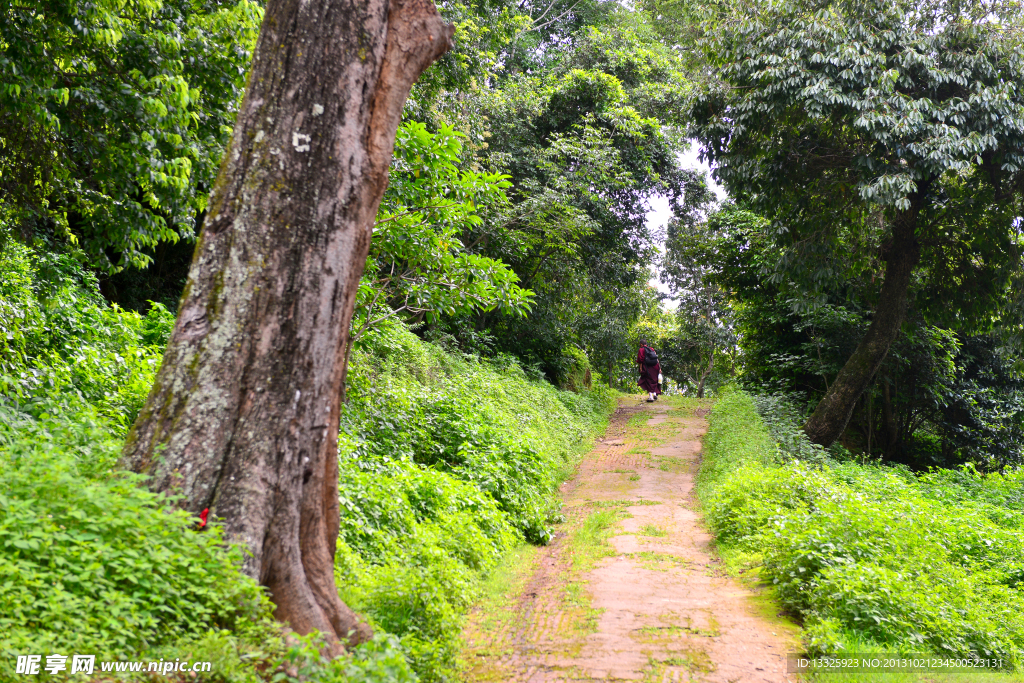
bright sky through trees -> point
(661, 212)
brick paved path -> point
(649, 602)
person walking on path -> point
(650, 370)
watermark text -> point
(33, 665)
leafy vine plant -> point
(419, 266)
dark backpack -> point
(650, 357)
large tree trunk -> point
(243, 417)
(833, 412)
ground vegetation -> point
(871, 558)
(446, 462)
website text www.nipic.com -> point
(86, 664)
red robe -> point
(648, 374)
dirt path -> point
(629, 590)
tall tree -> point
(243, 416)
(896, 126)
(586, 143)
(693, 247)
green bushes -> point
(96, 565)
(62, 348)
(91, 562)
(446, 462)
(865, 553)
(413, 544)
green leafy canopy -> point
(114, 117)
(834, 118)
(418, 264)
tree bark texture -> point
(243, 417)
(833, 412)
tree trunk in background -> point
(870, 418)
(889, 421)
(243, 416)
(833, 412)
(704, 376)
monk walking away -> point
(650, 371)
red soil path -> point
(653, 603)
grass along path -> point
(628, 590)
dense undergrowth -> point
(447, 462)
(869, 556)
